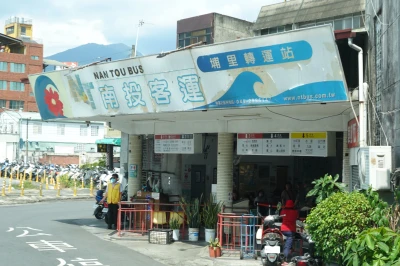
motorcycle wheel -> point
(98, 213)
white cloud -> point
(67, 24)
(60, 36)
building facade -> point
(20, 55)
(211, 28)
(26, 134)
(383, 24)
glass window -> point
(181, 43)
(34, 57)
(187, 35)
(288, 27)
(273, 30)
(3, 103)
(83, 131)
(208, 31)
(16, 105)
(3, 86)
(80, 147)
(199, 33)
(180, 36)
(348, 23)
(23, 30)
(264, 32)
(3, 66)
(94, 131)
(281, 28)
(17, 68)
(60, 129)
(338, 24)
(356, 22)
(37, 128)
(10, 30)
(17, 86)
(187, 41)
(208, 39)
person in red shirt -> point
(288, 227)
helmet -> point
(269, 220)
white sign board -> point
(309, 144)
(317, 144)
(263, 144)
(242, 73)
(178, 144)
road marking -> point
(44, 245)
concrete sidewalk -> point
(178, 253)
(32, 195)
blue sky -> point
(62, 25)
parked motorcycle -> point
(309, 258)
(271, 242)
(101, 210)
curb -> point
(19, 201)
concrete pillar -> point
(346, 174)
(134, 165)
(225, 168)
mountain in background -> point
(92, 52)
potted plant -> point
(174, 225)
(193, 218)
(210, 217)
(214, 248)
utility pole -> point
(26, 146)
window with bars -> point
(94, 131)
(80, 147)
(17, 68)
(16, 105)
(83, 131)
(37, 128)
(17, 86)
(3, 66)
(3, 86)
(188, 38)
(60, 129)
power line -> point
(309, 120)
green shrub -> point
(380, 209)
(325, 186)
(376, 246)
(336, 221)
(210, 212)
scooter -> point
(272, 242)
(101, 210)
(309, 258)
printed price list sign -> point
(174, 143)
(309, 144)
(263, 144)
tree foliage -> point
(326, 186)
(375, 246)
(336, 221)
(380, 209)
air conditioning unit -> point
(371, 166)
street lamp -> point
(141, 22)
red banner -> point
(352, 134)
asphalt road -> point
(61, 240)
